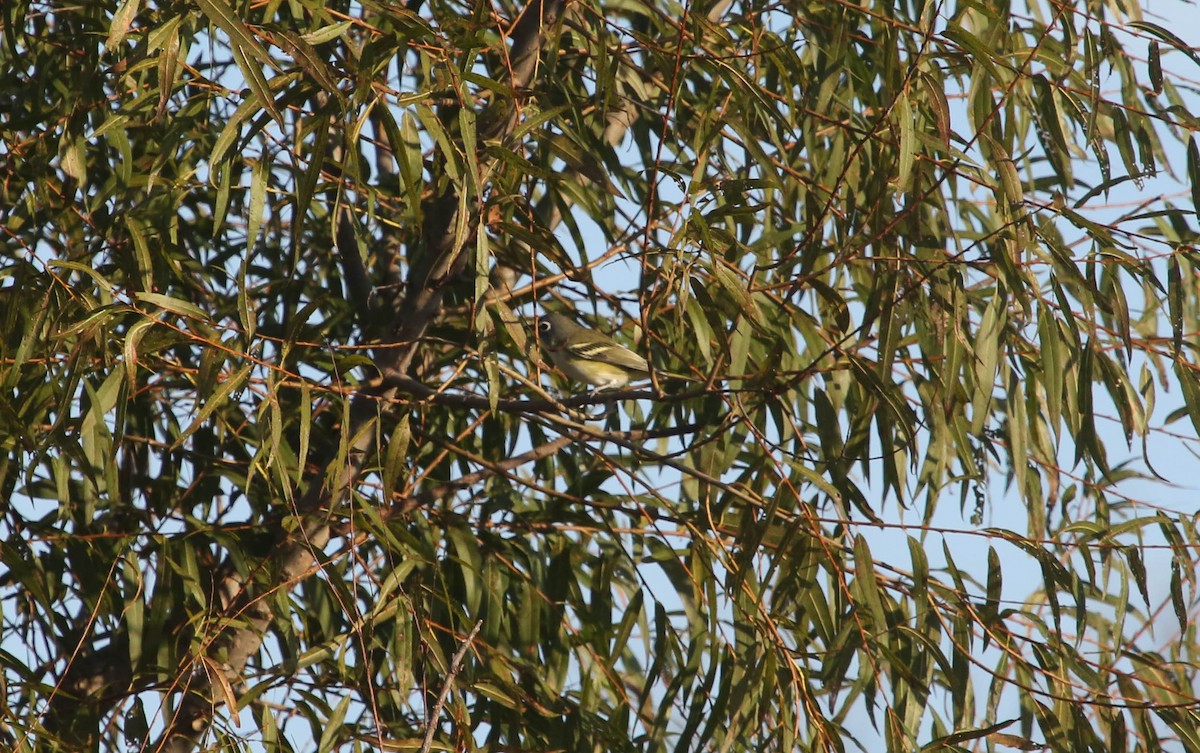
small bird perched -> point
(587, 356)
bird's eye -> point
(544, 326)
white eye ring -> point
(544, 326)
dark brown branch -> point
(428, 281)
(91, 684)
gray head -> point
(554, 329)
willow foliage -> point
(282, 461)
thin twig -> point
(455, 666)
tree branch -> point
(427, 285)
(452, 672)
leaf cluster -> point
(277, 438)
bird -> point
(587, 356)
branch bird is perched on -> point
(587, 356)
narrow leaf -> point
(1193, 168)
(907, 147)
(259, 177)
(121, 22)
(240, 36)
(174, 305)
(1155, 65)
(132, 338)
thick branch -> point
(428, 282)
(90, 684)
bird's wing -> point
(618, 355)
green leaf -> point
(986, 360)
(1154, 64)
(256, 80)
(310, 61)
(866, 587)
(260, 175)
(332, 731)
(132, 338)
(972, 45)
(905, 121)
(735, 287)
(1167, 37)
(327, 33)
(122, 20)
(174, 305)
(1189, 383)
(1193, 170)
(141, 249)
(240, 36)
(1175, 299)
